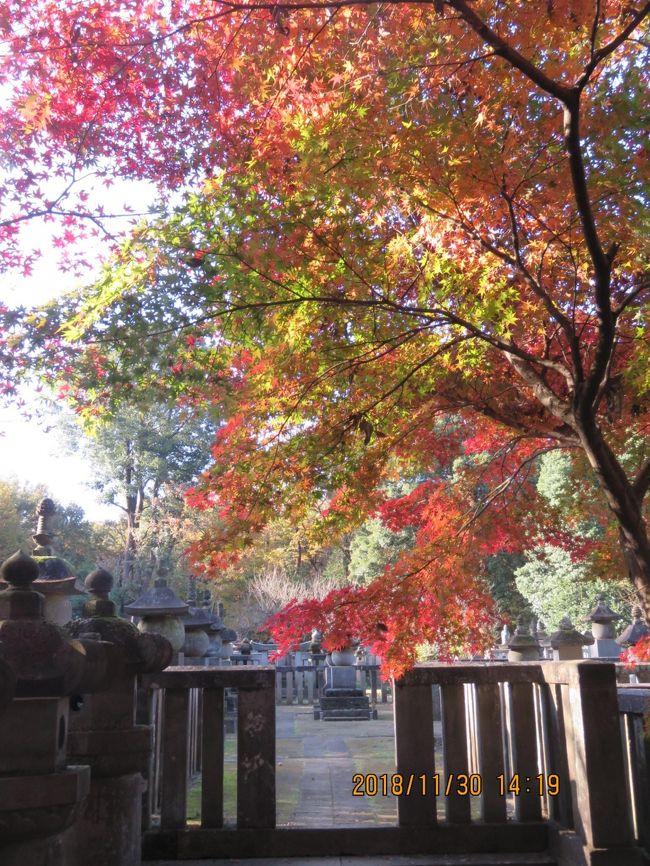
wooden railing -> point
(531, 757)
(188, 703)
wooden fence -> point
(531, 758)
(634, 706)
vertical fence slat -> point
(212, 727)
(528, 805)
(560, 808)
(603, 821)
(472, 728)
(256, 758)
(289, 685)
(199, 730)
(488, 704)
(414, 753)
(300, 686)
(278, 686)
(454, 738)
(174, 759)
(641, 764)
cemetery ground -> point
(316, 761)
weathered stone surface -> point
(114, 804)
(104, 735)
(39, 794)
(7, 685)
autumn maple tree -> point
(411, 239)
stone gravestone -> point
(341, 699)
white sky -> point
(28, 451)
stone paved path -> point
(315, 764)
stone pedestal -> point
(605, 648)
(341, 700)
(103, 735)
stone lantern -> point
(228, 635)
(161, 612)
(637, 629)
(215, 628)
(523, 647)
(603, 618)
(41, 793)
(55, 579)
(196, 622)
(104, 735)
(567, 641)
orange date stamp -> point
(452, 785)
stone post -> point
(39, 792)
(524, 646)
(567, 642)
(104, 735)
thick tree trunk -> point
(638, 573)
(627, 508)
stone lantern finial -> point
(20, 600)
(56, 580)
(98, 584)
(44, 534)
(19, 571)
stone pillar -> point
(39, 793)
(104, 735)
(567, 642)
(524, 646)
